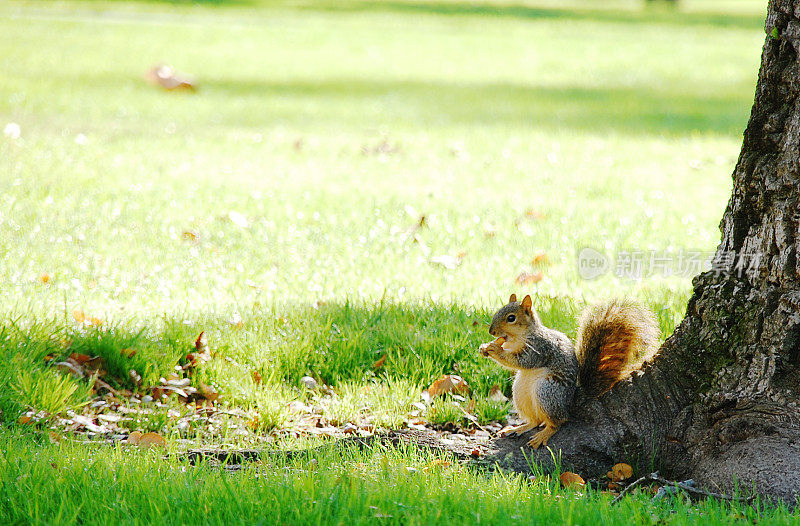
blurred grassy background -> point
(287, 191)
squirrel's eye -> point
(511, 319)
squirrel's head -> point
(515, 319)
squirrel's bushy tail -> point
(614, 339)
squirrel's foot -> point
(512, 431)
(542, 437)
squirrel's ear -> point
(527, 303)
(513, 298)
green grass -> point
(68, 483)
(515, 128)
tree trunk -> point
(720, 402)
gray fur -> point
(551, 349)
(555, 398)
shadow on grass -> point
(518, 11)
(624, 110)
(531, 12)
(337, 344)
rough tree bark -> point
(720, 402)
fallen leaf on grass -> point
(620, 472)
(530, 215)
(238, 219)
(94, 364)
(208, 392)
(101, 385)
(384, 147)
(80, 358)
(146, 440)
(70, 367)
(572, 480)
(436, 465)
(84, 319)
(496, 394)
(190, 235)
(87, 422)
(448, 262)
(529, 278)
(540, 259)
(236, 320)
(166, 77)
(416, 423)
(379, 363)
(449, 383)
(257, 378)
(201, 343)
(201, 355)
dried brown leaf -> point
(80, 358)
(86, 320)
(379, 363)
(436, 465)
(446, 261)
(201, 343)
(528, 215)
(71, 367)
(449, 383)
(190, 235)
(166, 77)
(572, 480)
(528, 278)
(621, 472)
(208, 392)
(540, 259)
(496, 394)
(151, 440)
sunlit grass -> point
(280, 210)
(66, 483)
(321, 128)
(294, 208)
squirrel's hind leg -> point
(518, 430)
(543, 436)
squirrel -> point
(614, 339)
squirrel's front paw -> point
(493, 347)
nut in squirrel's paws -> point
(493, 346)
